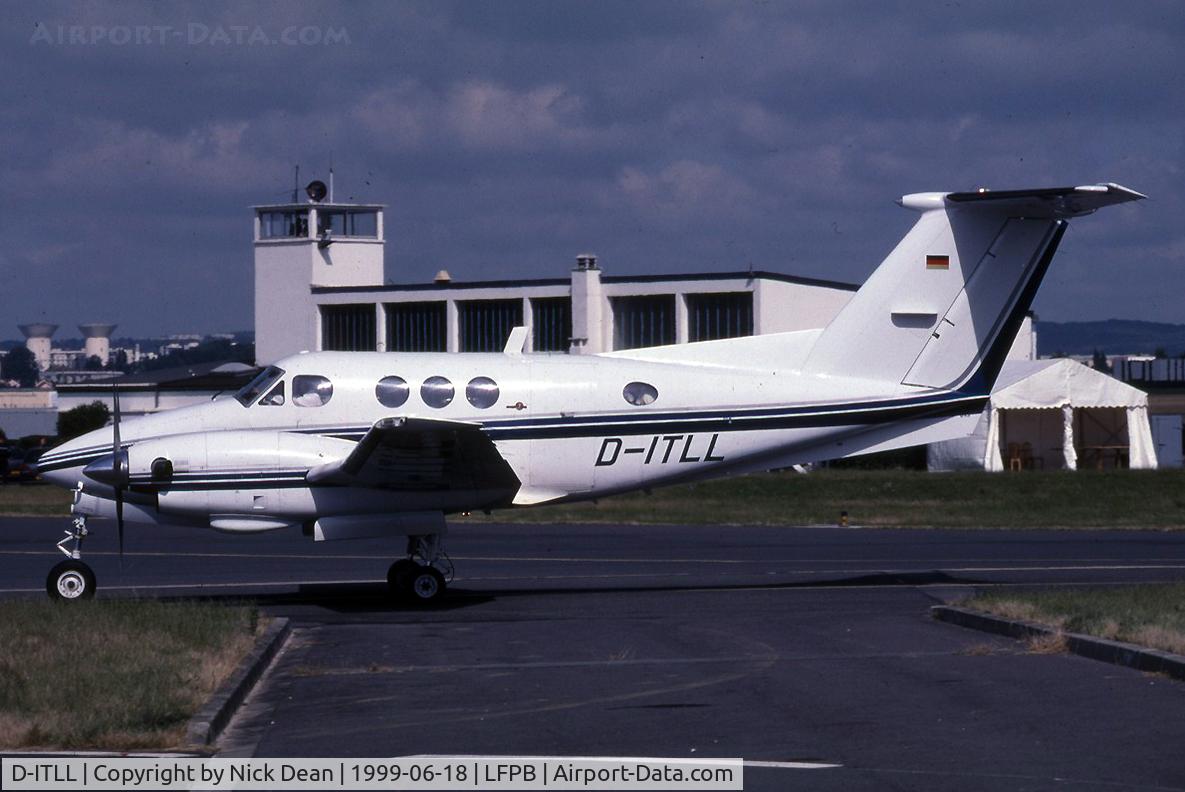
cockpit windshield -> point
(263, 380)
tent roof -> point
(1040, 384)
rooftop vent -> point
(586, 261)
(442, 277)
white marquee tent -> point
(1054, 413)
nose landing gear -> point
(73, 579)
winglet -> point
(516, 342)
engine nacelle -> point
(235, 477)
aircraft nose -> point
(111, 469)
(62, 465)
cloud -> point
(508, 138)
(682, 191)
(110, 155)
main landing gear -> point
(423, 576)
(72, 580)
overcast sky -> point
(508, 137)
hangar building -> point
(320, 285)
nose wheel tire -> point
(70, 581)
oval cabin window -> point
(437, 392)
(640, 393)
(392, 391)
(482, 392)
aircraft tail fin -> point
(942, 310)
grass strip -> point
(113, 674)
(878, 498)
(40, 500)
(898, 498)
(1148, 615)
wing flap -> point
(421, 454)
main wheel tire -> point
(399, 573)
(426, 586)
(70, 581)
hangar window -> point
(643, 321)
(311, 390)
(392, 391)
(481, 392)
(437, 392)
(551, 320)
(348, 328)
(416, 326)
(262, 381)
(486, 324)
(640, 393)
(722, 315)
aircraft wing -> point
(421, 454)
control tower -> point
(98, 341)
(38, 337)
(298, 245)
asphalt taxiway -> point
(806, 651)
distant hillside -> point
(1112, 337)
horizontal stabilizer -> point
(1045, 202)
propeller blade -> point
(118, 468)
(115, 421)
(119, 522)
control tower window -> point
(281, 225)
(349, 223)
(309, 390)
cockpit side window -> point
(311, 390)
(274, 397)
(263, 380)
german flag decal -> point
(938, 262)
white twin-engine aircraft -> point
(358, 444)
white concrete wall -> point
(589, 309)
(781, 307)
(348, 262)
(137, 402)
(286, 319)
